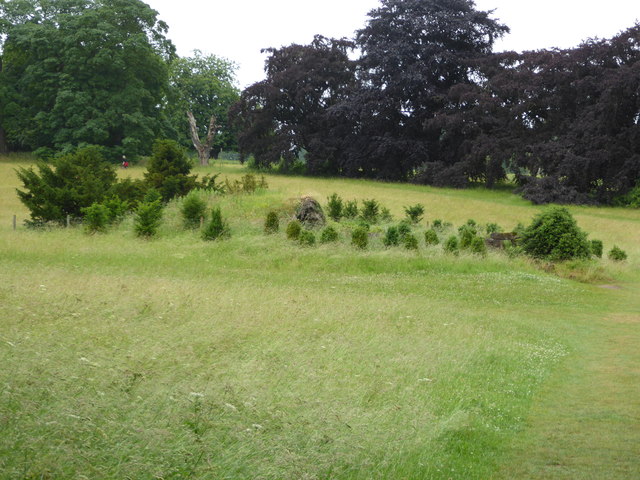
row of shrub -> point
(552, 235)
(72, 185)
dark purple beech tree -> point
(569, 119)
(413, 53)
(284, 115)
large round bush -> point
(555, 235)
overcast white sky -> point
(238, 29)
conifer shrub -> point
(493, 228)
(217, 228)
(385, 215)
(192, 210)
(294, 227)
(404, 228)
(391, 237)
(617, 254)
(271, 223)
(437, 224)
(96, 218)
(168, 170)
(118, 208)
(335, 206)
(370, 211)
(467, 234)
(307, 238)
(63, 188)
(350, 209)
(597, 248)
(451, 245)
(431, 237)
(360, 238)
(554, 235)
(148, 217)
(329, 235)
(410, 242)
(478, 246)
(414, 213)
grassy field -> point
(254, 358)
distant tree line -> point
(427, 100)
(102, 72)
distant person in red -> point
(125, 162)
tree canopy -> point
(205, 86)
(429, 101)
(78, 72)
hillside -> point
(257, 358)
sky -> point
(239, 29)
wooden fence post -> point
(68, 221)
(15, 222)
(201, 222)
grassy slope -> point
(254, 358)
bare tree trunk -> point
(3, 142)
(204, 149)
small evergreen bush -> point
(437, 224)
(370, 211)
(148, 218)
(118, 208)
(478, 246)
(271, 223)
(410, 242)
(168, 170)
(350, 209)
(467, 234)
(431, 237)
(596, 248)
(385, 215)
(391, 237)
(293, 230)
(360, 238)
(404, 229)
(96, 218)
(414, 213)
(334, 207)
(493, 228)
(617, 254)
(451, 245)
(329, 235)
(217, 228)
(307, 238)
(193, 209)
(554, 235)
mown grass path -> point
(586, 421)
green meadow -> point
(256, 358)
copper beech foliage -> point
(427, 100)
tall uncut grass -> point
(255, 358)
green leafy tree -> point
(203, 85)
(82, 72)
